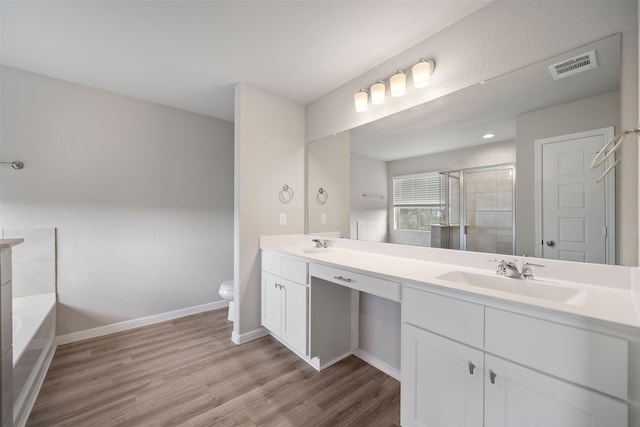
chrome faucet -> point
(321, 243)
(510, 269)
(527, 273)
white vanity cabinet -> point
(465, 364)
(285, 300)
(442, 361)
(441, 381)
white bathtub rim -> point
(31, 312)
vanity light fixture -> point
(398, 83)
(361, 100)
(378, 90)
(421, 74)
(488, 135)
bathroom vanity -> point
(477, 348)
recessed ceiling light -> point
(488, 136)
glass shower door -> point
(489, 205)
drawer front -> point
(272, 263)
(587, 358)
(294, 270)
(369, 284)
(459, 320)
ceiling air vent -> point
(575, 65)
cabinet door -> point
(441, 381)
(517, 396)
(271, 302)
(294, 323)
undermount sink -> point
(530, 288)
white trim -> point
(136, 323)
(377, 363)
(249, 336)
(609, 188)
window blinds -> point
(417, 190)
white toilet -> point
(226, 292)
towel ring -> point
(322, 196)
(286, 194)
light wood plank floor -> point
(188, 372)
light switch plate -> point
(323, 218)
(283, 219)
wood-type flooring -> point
(187, 372)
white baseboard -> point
(377, 363)
(249, 336)
(136, 323)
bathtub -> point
(33, 346)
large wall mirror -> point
(433, 176)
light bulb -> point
(421, 73)
(361, 100)
(377, 92)
(398, 83)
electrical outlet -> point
(323, 218)
(283, 219)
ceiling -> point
(189, 54)
(459, 120)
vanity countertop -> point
(613, 304)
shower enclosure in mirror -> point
(445, 137)
(431, 209)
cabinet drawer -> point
(369, 284)
(294, 270)
(272, 263)
(459, 320)
(587, 358)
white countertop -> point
(617, 304)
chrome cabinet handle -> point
(472, 368)
(492, 376)
(344, 279)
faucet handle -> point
(527, 272)
(502, 266)
(321, 243)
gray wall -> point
(269, 153)
(328, 168)
(586, 114)
(141, 196)
(368, 214)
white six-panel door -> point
(574, 221)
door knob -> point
(551, 243)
